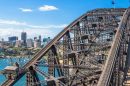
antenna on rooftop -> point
(113, 3)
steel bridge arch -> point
(64, 35)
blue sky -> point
(45, 17)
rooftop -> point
(12, 68)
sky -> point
(45, 17)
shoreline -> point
(26, 56)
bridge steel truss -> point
(116, 66)
(91, 51)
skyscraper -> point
(24, 37)
(39, 38)
(18, 43)
(12, 38)
(37, 42)
(29, 43)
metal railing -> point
(109, 65)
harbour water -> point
(10, 61)
(21, 61)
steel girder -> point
(80, 52)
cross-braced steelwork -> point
(92, 51)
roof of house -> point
(12, 68)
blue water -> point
(8, 62)
(21, 61)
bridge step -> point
(127, 81)
(127, 85)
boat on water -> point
(2, 57)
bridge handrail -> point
(108, 68)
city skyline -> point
(19, 37)
(36, 17)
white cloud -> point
(17, 23)
(25, 10)
(14, 28)
(48, 26)
(48, 8)
(11, 22)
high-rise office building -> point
(18, 43)
(46, 40)
(39, 38)
(29, 43)
(12, 38)
(37, 44)
(24, 37)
